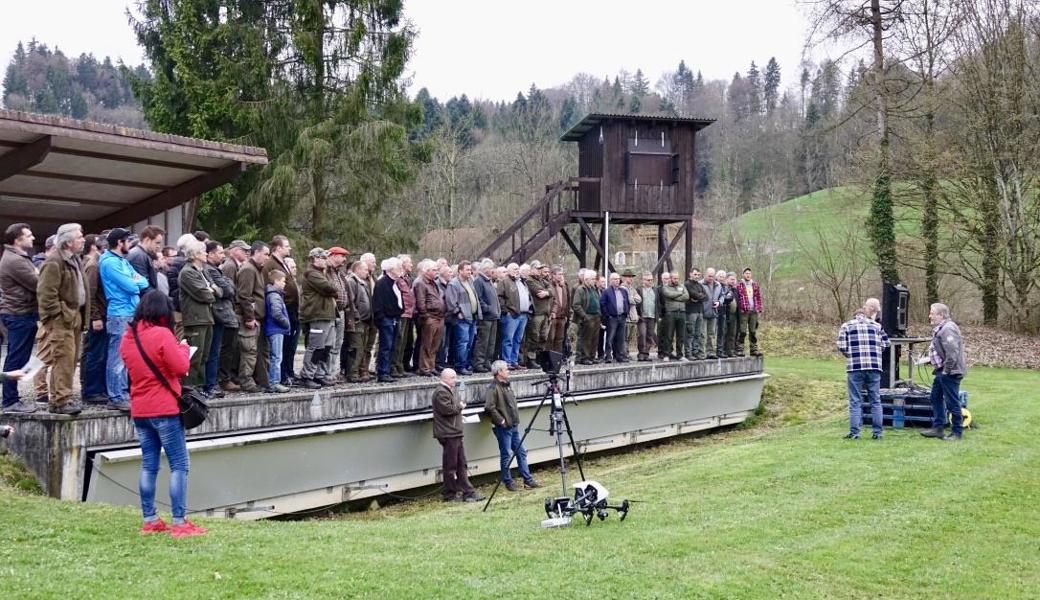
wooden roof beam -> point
(170, 198)
(18, 160)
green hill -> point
(791, 227)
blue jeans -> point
(387, 340)
(856, 381)
(509, 443)
(213, 358)
(946, 396)
(21, 335)
(274, 372)
(465, 331)
(115, 370)
(95, 358)
(512, 335)
(163, 433)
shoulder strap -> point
(151, 365)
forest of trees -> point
(932, 113)
(42, 80)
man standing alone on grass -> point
(946, 353)
(500, 406)
(447, 429)
(863, 343)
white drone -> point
(590, 499)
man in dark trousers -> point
(614, 304)
(447, 429)
(387, 308)
(946, 354)
(280, 250)
(500, 406)
(19, 310)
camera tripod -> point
(559, 424)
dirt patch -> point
(984, 346)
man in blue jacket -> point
(123, 287)
(614, 305)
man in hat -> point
(64, 308)
(337, 273)
(318, 317)
(123, 287)
(539, 285)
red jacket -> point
(148, 396)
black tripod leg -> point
(512, 457)
(574, 446)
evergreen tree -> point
(640, 86)
(568, 113)
(772, 84)
(754, 90)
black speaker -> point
(895, 306)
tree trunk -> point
(882, 220)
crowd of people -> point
(245, 307)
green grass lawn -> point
(784, 508)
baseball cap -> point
(318, 253)
(238, 244)
(339, 250)
(116, 235)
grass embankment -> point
(834, 212)
(764, 513)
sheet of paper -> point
(924, 360)
(32, 367)
(471, 419)
(191, 351)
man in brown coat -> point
(560, 311)
(250, 307)
(64, 307)
(447, 429)
(237, 255)
(19, 309)
(430, 308)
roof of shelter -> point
(57, 170)
(592, 120)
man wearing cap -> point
(251, 308)
(64, 307)
(237, 252)
(649, 309)
(280, 250)
(18, 308)
(318, 317)
(123, 287)
(337, 273)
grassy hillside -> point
(769, 512)
(833, 212)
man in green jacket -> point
(674, 339)
(447, 430)
(500, 406)
(585, 306)
(537, 332)
(318, 320)
(254, 353)
(197, 294)
(64, 305)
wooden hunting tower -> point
(632, 169)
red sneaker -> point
(156, 526)
(186, 529)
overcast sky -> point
(492, 49)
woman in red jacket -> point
(155, 409)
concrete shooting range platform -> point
(262, 455)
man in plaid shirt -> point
(863, 342)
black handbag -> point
(192, 403)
